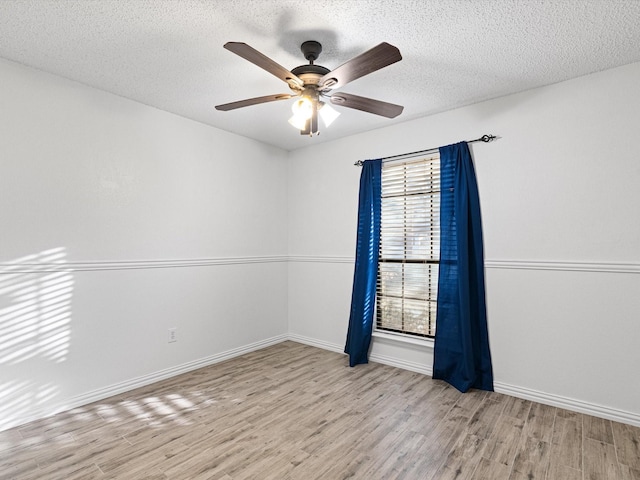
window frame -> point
(412, 170)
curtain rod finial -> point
(487, 138)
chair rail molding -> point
(584, 266)
(98, 265)
(596, 267)
(18, 266)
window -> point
(407, 287)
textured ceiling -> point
(169, 54)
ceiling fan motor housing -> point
(310, 74)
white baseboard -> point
(334, 347)
(376, 358)
(400, 363)
(500, 387)
(127, 385)
(567, 403)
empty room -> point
(320, 240)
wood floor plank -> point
(598, 429)
(70, 471)
(600, 462)
(567, 441)
(490, 470)
(503, 444)
(568, 414)
(557, 471)
(539, 423)
(204, 463)
(17, 465)
(462, 461)
(294, 412)
(532, 459)
(407, 452)
(627, 442)
(273, 466)
(348, 466)
(484, 419)
(516, 407)
(629, 473)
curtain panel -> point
(366, 268)
(461, 351)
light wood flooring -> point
(292, 411)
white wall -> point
(143, 221)
(559, 192)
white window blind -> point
(407, 287)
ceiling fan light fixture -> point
(303, 108)
(302, 111)
(298, 122)
(328, 114)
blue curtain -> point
(366, 270)
(461, 351)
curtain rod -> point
(484, 138)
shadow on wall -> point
(36, 294)
(35, 327)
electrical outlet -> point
(173, 335)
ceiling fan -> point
(312, 83)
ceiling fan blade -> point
(389, 110)
(365, 63)
(254, 101)
(264, 62)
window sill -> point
(400, 338)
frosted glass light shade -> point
(299, 121)
(302, 107)
(328, 114)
